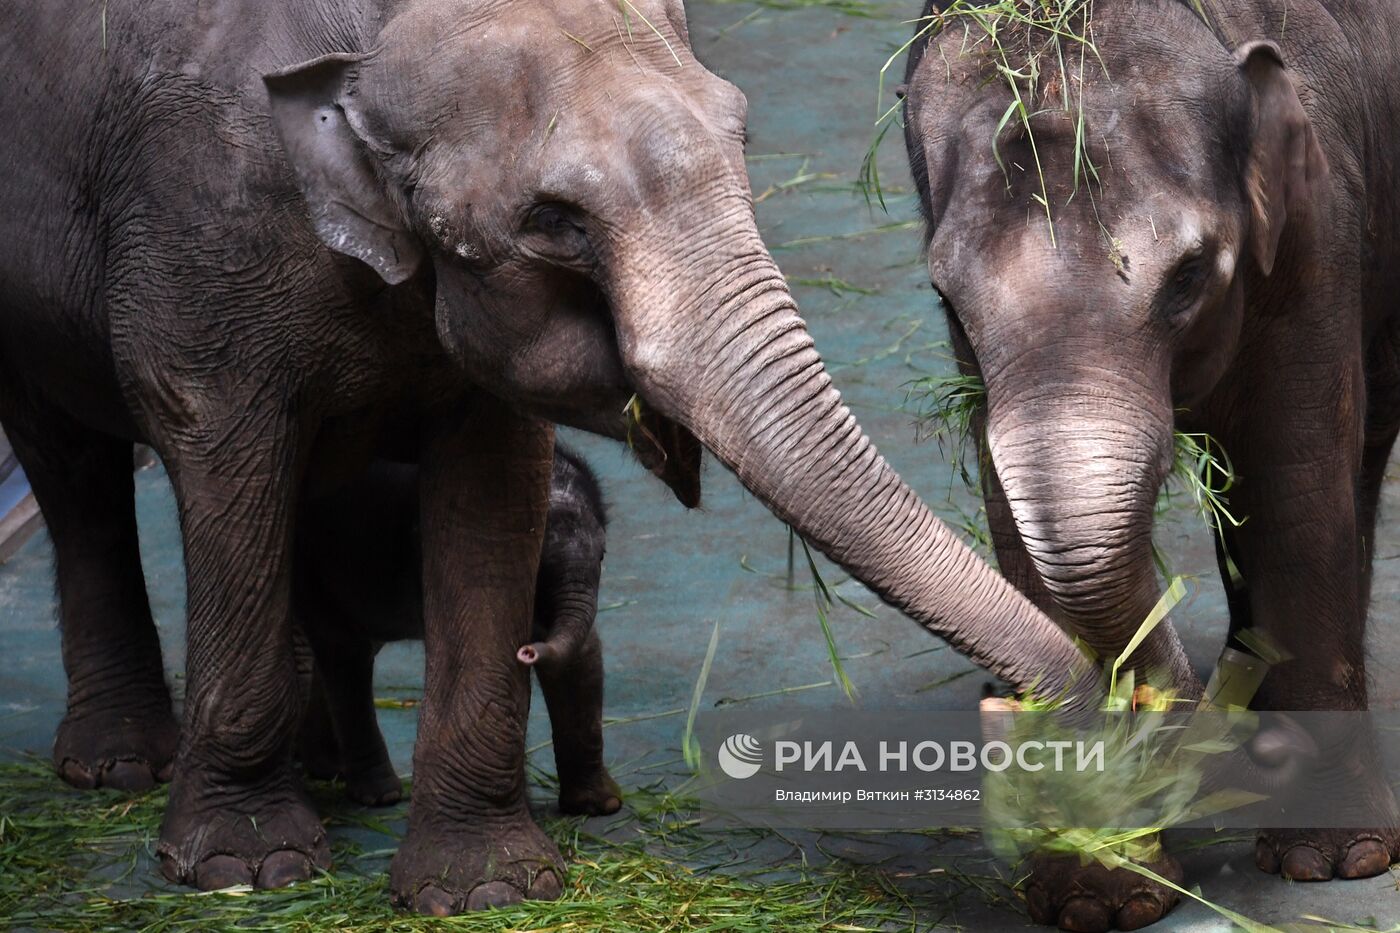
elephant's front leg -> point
(1303, 555)
(238, 813)
(471, 842)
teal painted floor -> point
(810, 72)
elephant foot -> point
(448, 869)
(1324, 854)
(120, 747)
(375, 786)
(266, 835)
(1092, 898)
(594, 794)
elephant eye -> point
(554, 220)
(1181, 291)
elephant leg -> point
(345, 676)
(573, 692)
(1382, 428)
(1304, 552)
(238, 813)
(471, 842)
(118, 730)
(317, 745)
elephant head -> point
(1094, 327)
(574, 182)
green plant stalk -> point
(945, 406)
(1046, 25)
(824, 603)
(690, 746)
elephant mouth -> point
(668, 450)
(664, 447)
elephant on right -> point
(1192, 225)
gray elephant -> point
(274, 241)
(357, 585)
(1232, 269)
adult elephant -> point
(1230, 267)
(272, 240)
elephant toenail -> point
(1038, 905)
(492, 894)
(1365, 859)
(1304, 863)
(545, 887)
(283, 867)
(1141, 910)
(128, 776)
(1265, 858)
(222, 871)
(170, 870)
(77, 774)
(610, 805)
(433, 901)
(1085, 915)
(165, 772)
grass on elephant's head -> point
(82, 861)
(1041, 51)
(1033, 46)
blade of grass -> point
(1176, 591)
(824, 601)
(689, 745)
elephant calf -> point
(359, 583)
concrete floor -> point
(810, 75)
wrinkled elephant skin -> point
(277, 240)
(1228, 265)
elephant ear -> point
(352, 211)
(1286, 170)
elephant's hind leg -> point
(574, 696)
(118, 731)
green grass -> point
(74, 860)
(945, 406)
(1039, 50)
(1150, 781)
(860, 9)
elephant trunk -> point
(742, 374)
(1081, 470)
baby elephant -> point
(358, 584)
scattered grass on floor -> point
(74, 860)
(852, 235)
(837, 286)
(862, 9)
